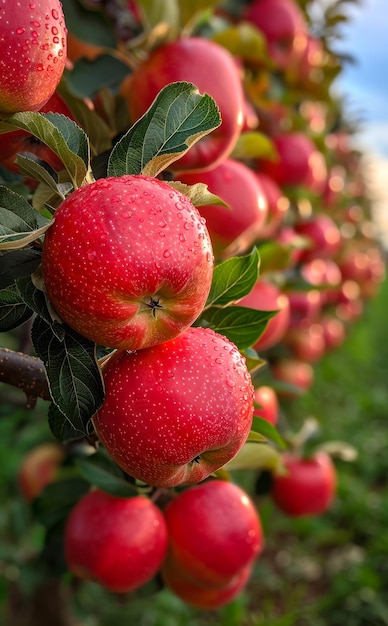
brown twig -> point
(24, 372)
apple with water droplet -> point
(176, 412)
(244, 218)
(118, 542)
(214, 532)
(214, 71)
(127, 262)
(32, 53)
(308, 487)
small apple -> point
(296, 375)
(238, 186)
(306, 342)
(214, 532)
(178, 411)
(323, 235)
(127, 262)
(308, 487)
(118, 542)
(199, 596)
(305, 305)
(213, 70)
(334, 331)
(32, 54)
(267, 400)
(39, 468)
(299, 162)
(283, 25)
(266, 296)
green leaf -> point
(13, 310)
(57, 500)
(190, 10)
(257, 455)
(60, 426)
(33, 169)
(178, 118)
(36, 300)
(198, 193)
(16, 264)
(241, 325)
(90, 26)
(261, 426)
(73, 374)
(89, 76)
(16, 214)
(65, 138)
(101, 472)
(233, 279)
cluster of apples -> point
(128, 263)
(203, 544)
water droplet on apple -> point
(166, 254)
(92, 255)
(127, 214)
(54, 30)
(39, 68)
(55, 14)
(20, 31)
(182, 237)
(230, 383)
(179, 206)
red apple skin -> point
(198, 596)
(323, 235)
(18, 141)
(128, 262)
(199, 61)
(305, 306)
(309, 486)
(266, 296)
(38, 469)
(283, 25)
(32, 54)
(118, 542)
(214, 532)
(266, 397)
(278, 206)
(306, 342)
(294, 372)
(178, 411)
(238, 186)
(299, 162)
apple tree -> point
(185, 230)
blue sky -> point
(365, 86)
(366, 83)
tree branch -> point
(24, 372)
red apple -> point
(334, 331)
(305, 305)
(267, 400)
(266, 296)
(118, 542)
(309, 486)
(299, 162)
(199, 596)
(238, 186)
(127, 262)
(213, 70)
(278, 206)
(176, 412)
(17, 141)
(306, 342)
(295, 374)
(283, 25)
(214, 532)
(32, 54)
(323, 235)
(39, 468)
